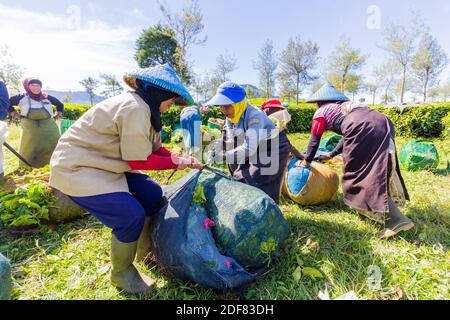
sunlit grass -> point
(72, 261)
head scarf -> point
(153, 97)
(239, 109)
(37, 97)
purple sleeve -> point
(14, 101)
(54, 101)
(338, 149)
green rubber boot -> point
(123, 274)
(144, 243)
(396, 222)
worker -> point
(96, 161)
(40, 133)
(372, 181)
(4, 106)
(192, 130)
(281, 117)
(256, 151)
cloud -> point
(44, 44)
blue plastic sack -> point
(297, 176)
(184, 245)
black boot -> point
(396, 222)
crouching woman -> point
(94, 161)
(372, 181)
(256, 152)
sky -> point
(63, 41)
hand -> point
(303, 163)
(14, 115)
(324, 157)
(57, 115)
(195, 164)
(181, 161)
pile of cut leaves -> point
(25, 198)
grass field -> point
(72, 261)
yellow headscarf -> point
(239, 109)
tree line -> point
(413, 62)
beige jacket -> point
(91, 157)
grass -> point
(72, 261)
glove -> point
(215, 153)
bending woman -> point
(372, 182)
(95, 162)
(256, 151)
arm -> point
(253, 136)
(318, 128)
(296, 153)
(158, 160)
(14, 101)
(4, 101)
(338, 149)
(58, 104)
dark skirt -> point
(253, 173)
(367, 135)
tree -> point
(385, 76)
(298, 60)
(156, 45)
(344, 61)
(112, 86)
(354, 85)
(225, 64)
(429, 61)
(266, 64)
(400, 42)
(90, 85)
(434, 93)
(287, 87)
(372, 88)
(187, 27)
(68, 97)
(250, 92)
(10, 72)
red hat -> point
(272, 103)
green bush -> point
(446, 124)
(74, 111)
(422, 121)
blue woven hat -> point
(228, 93)
(328, 93)
(161, 76)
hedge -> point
(423, 121)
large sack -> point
(64, 210)
(315, 185)
(5, 278)
(246, 219)
(184, 245)
(419, 155)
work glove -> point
(215, 153)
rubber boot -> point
(396, 222)
(123, 274)
(144, 243)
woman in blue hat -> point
(372, 181)
(96, 161)
(256, 151)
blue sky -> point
(46, 39)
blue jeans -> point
(125, 213)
